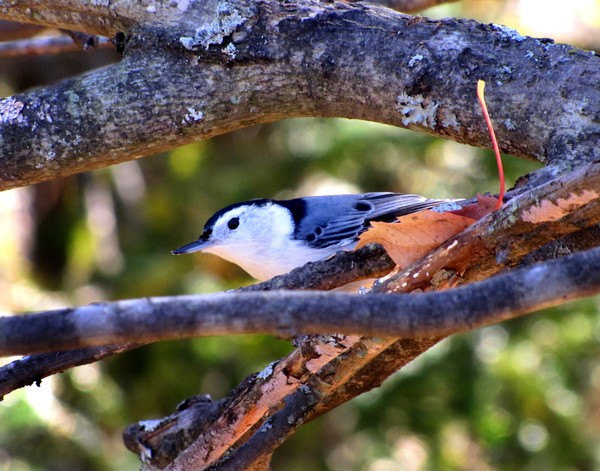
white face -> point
(255, 237)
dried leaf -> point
(485, 205)
(415, 235)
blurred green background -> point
(520, 395)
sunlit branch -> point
(267, 73)
(504, 296)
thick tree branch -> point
(269, 60)
(103, 20)
(502, 297)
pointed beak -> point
(195, 246)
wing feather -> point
(337, 221)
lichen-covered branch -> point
(192, 70)
(104, 18)
(252, 62)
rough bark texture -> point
(251, 412)
(245, 63)
(536, 217)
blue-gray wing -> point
(337, 221)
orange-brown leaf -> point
(484, 206)
(415, 235)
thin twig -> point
(33, 368)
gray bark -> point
(232, 63)
(496, 299)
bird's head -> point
(252, 234)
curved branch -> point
(277, 60)
(501, 297)
(268, 60)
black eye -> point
(233, 223)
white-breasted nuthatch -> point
(270, 237)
